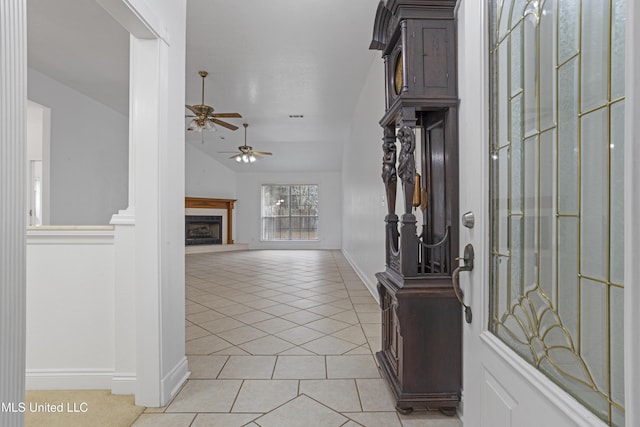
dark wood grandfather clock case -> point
(421, 355)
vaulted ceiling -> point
(266, 60)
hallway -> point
(281, 338)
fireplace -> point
(203, 230)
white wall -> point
(206, 177)
(89, 154)
(169, 18)
(70, 308)
(364, 202)
(329, 215)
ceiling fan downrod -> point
(203, 74)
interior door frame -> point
(631, 208)
(482, 350)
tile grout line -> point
(273, 371)
(235, 399)
(355, 383)
(223, 365)
(193, 420)
(326, 368)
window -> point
(289, 212)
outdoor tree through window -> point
(289, 212)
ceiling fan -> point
(204, 118)
(246, 154)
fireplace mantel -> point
(205, 203)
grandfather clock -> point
(421, 355)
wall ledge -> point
(71, 234)
(71, 228)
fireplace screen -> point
(203, 230)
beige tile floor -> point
(281, 339)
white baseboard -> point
(173, 381)
(63, 379)
(371, 286)
(123, 383)
(200, 249)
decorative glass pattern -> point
(557, 237)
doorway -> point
(38, 144)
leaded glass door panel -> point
(545, 179)
(557, 68)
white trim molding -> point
(174, 380)
(149, 230)
(68, 379)
(123, 383)
(124, 216)
(631, 209)
(70, 235)
(138, 19)
(13, 162)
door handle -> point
(467, 265)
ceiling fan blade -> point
(226, 115)
(262, 153)
(188, 115)
(192, 109)
(227, 152)
(223, 124)
(237, 155)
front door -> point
(542, 105)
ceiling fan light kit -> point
(204, 118)
(246, 154)
(245, 158)
(196, 125)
